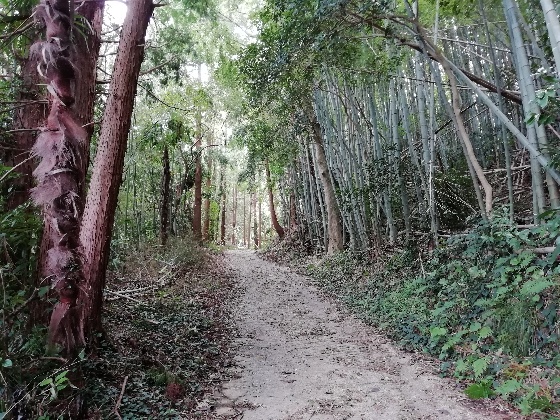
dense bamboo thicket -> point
(426, 116)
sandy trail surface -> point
(300, 357)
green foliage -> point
(480, 390)
(485, 304)
(266, 142)
(26, 374)
(172, 335)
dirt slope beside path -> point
(301, 358)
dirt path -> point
(300, 357)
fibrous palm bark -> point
(61, 145)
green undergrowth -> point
(170, 342)
(165, 342)
(485, 303)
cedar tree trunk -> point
(206, 225)
(164, 212)
(277, 227)
(234, 215)
(197, 206)
(223, 217)
(255, 221)
(101, 202)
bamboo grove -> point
(426, 114)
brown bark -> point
(274, 218)
(335, 241)
(245, 240)
(86, 55)
(249, 222)
(165, 193)
(293, 214)
(206, 225)
(234, 215)
(260, 223)
(223, 210)
(99, 213)
(27, 117)
(254, 210)
(197, 206)
(61, 145)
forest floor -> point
(299, 356)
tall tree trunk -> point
(233, 215)
(255, 221)
(206, 225)
(334, 226)
(99, 212)
(277, 227)
(293, 213)
(86, 54)
(223, 210)
(197, 206)
(165, 192)
(244, 221)
(397, 154)
(61, 146)
(260, 222)
(505, 139)
(486, 204)
(530, 106)
(249, 221)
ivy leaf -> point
(437, 332)
(475, 326)
(479, 367)
(485, 332)
(534, 287)
(478, 391)
(7, 363)
(508, 387)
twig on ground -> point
(124, 296)
(118, 403)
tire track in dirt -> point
(299, 357)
